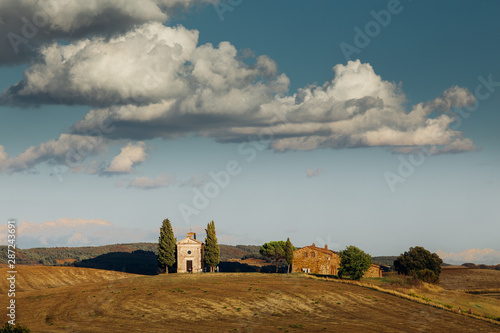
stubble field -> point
(69, 299)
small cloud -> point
(129, 156)
(314, 173)
(477, 256)
(457, 146)
(195, 181)
(145, 183)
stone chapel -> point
(190, 254)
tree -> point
(289, 248)
(420, 263)
(274, 250)
(166, 247)
(354, 262)
(212, 250)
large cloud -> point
(141, 66)
(26, 24)
(155, 81)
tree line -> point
(418, 262)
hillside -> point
(40, 277)
(49, 255)
(222, 303)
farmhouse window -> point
(305, 254)
(313, 255)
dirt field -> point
(251, 302)
(42, 277)
(458, 278)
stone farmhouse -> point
(318, 260)
(190, 254)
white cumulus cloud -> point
(154, 81)
(26, 24)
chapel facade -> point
(190, 254)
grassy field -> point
(70, 299)
(464, 288)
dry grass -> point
(484, 304)
(223, 302)
(41, 277)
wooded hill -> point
(50, 256)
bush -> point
(426, 275)
(417, 260)
(354, 263)
(8, 328)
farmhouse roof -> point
(319, 249)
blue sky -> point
(108, 125)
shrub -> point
(8, 328)
(354, 263)
(416, 260)
(426, 275)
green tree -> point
(289, 248)
(166, 247)
(420, 263)
(354, 262)
(274, 250)
(212, 250)
(8, 328)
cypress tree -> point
(166, 247)
(212, 251)
(289, 253)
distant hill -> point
(58, 256)
(49, 256)
(471, 265)
(387, 262)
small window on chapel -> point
(313, 255)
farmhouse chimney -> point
(191, 235)
(326, 246)
(314, 245)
